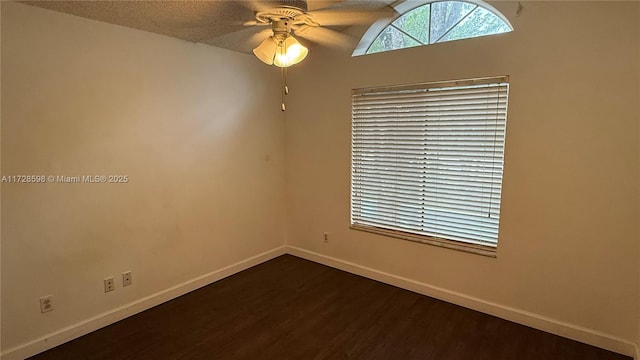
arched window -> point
(431, 23)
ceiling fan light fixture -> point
(280, 52)
(266, 50)
(289, 52)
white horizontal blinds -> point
(427, 159)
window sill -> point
(483, 250)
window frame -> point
(462, 245)
(401, 9)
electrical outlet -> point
(126, 278)
(46, 303)
(108, 284)
(326, 237)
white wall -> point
(568, 244)
(0, 186)
(192, 126)
(197, 130)
(637, 355)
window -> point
(427, 160)
(432, 23)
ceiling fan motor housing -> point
(295, 4)
(294, 10)
(291, 14)
(280, 28)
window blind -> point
(427, 161)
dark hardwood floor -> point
(290, 308)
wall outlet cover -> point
(46, 303)
(108, 285)
(126, 278)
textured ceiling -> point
(220, 22)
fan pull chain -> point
(285, 88)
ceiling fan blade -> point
(253, 23)
(256, 38)
(244, 40)
(327, 37)
(254, 5)
(315, 5)
(353, 12)
(337, 17)
(194, 19)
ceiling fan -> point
(292, 17)
(287, 18)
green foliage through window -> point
(438, 22)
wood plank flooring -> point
(290, 308)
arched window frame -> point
(404, 7)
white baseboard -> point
(574, 332)
(74, 331)
(536, 321)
